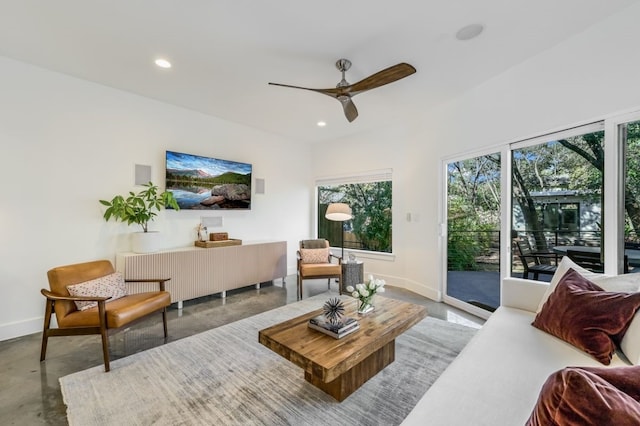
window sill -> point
(362, 254)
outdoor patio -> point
(478, 287)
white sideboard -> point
(197, 272)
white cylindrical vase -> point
(145, 242)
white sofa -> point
(496, 379)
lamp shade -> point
(338, 212)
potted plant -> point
(140, 208)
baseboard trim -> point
(414, 286)
(423, 290)
(20, 328)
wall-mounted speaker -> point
(143, 174)
(259, 186)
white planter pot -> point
(145, 242)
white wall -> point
(590, 76)
(66, 143)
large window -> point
(370, 199)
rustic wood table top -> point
(328, 358)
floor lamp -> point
(339, 212)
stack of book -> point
(346, 326)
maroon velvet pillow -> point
(591, 319)
(589, 396)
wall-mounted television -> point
(205, 183)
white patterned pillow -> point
(109, 285)
(314, 255)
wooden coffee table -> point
(340, 366)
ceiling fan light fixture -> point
(470, 31)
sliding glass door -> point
(572, 193)
(557, 190)
(473, 231)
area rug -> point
(225, 377)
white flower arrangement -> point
(364, 292)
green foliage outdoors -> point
(139, 208)
(473, 210)
(577, 164)
(632, 183)
(371, 206)
(467, 239)
(572, 164)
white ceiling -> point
(224, 52)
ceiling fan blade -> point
(386, 76)
(333, 92)
(350, 110)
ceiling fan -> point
(344, 91)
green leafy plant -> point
(139, 208)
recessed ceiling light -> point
(163, 63)
(321, 124)
(469, 32)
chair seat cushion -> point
(320, 270)
(120, 312)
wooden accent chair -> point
(536, 262)
(315, 261)
(104, 317)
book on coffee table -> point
(347, 326)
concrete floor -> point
(30, 391)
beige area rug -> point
(225, 377)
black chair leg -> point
(105, 350)
(164, 323)
(105, 335)
(45, 330)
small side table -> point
(352, 274)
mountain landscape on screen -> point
(205, 183)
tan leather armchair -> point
(103, 318)
(311, 266)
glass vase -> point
(365, 305)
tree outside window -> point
(370, 228)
